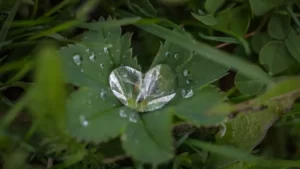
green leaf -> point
(47, 101)
(101, 50)
(245, 132)
(248, 86)
(292, 43)
(259, 40)
(149, 140)
(244, 67)
(91, 111)
(260, 7)
(142, 7)
(202, 71)
(279, 26)
(208, 19)
(276, 57)
(212, 6)
(219, 38)
(235, 20)
(196, 109)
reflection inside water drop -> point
(187, 93)
(122, 113)
(77, 59)
(133, 117)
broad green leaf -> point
(279, 26)
(248, 165)
(235, 20)
(208, 19)
(260, 7)
(245, 132)
(142, 7)
(259, 40)
(202, 71)
(91, 111)
(196, 109)
(292, 43)
(47, 101)
(244, 67)
(80, 70)
(275, 57)
(149, 139)
(248, 86)
(212, 6)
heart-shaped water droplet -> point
(143, 92)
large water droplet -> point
(122, 113)
(77, 59)
(187, 93)
(105, 49)
(133, 117)
(143, 94)
(92, 57)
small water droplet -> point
(81, 70)
(122, 113)
(185, 72)
(102, 65)
(167, 54)
(77, 59)
(187, 93)
(85, 123)
(105, 50)
(111, 62)
(222, 130)
(89, 102)
(188, 81)
(114, 105)
(83, 120)
(92, 57)
(85, 37)
(105, 40)
(176, 56)
(118, 50)
(102, 94)
(108, 33)
(133, 117)
(87, 50)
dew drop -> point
(176, 56)
(118, 50)
(87, 50)
(187, 93)
(222, 130)
(102, 94)
(77, 59)
(133, 117)
(122, 114)
(105, 50)
(105, 40)
(108, 33)
(89, 102)
(188, 81)
(185, 72)
(92, 57)
(81, 70)
(167, 54)
(85, 123)
(102, 65)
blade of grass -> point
(292, 14)
(241, 155)
(8, 21)
(110, 23)
(244, 67)
(56, 8)
(219, 39)
(24, 23)
(55, 29)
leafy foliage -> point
(234, 67)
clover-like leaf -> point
(197, 106)
(248, 86)
(90, 111)
(276, 57)
(149, 140)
